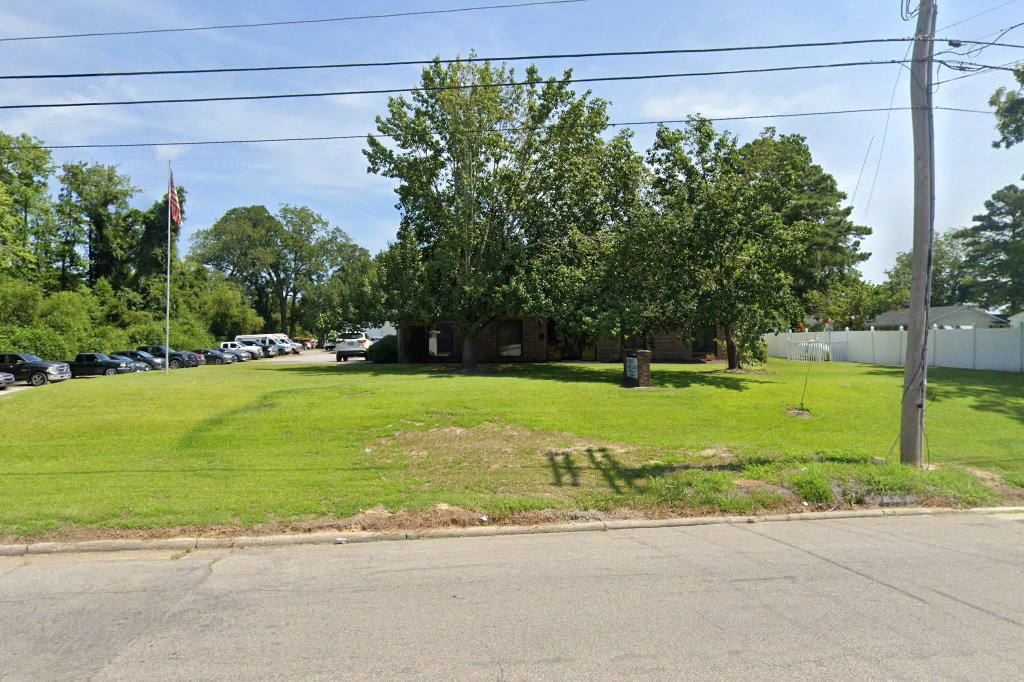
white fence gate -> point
(1000, 349)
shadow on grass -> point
(595, 373)
(619, 478)
(994, 392)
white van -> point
(279, 339)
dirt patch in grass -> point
(798, 413)
(762, 486)
(488, 441)
(1010, 494)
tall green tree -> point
(94, 206)
(994, 251)
(314, 251)
(149, 254)
(648, 283)
(851, 302)
(276, 258)
(26, 208)
(593, 192)
(951, 277)
(736, 246)
(349, 299)
(246, 244)
(481, 162)
(1009, 110)
(808, 199)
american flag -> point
(172, 198)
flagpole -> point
(167, 308)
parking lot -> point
(316, 356)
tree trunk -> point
(469, 351)
(282, 300)
(291, 320)
(731, 349)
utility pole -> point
(915, 376)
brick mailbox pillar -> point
(637, 369)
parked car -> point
(239, 346)
(280, 340)
(176, 359)
(255, 348)
(329, 343)
(281, 348)
(351, 345)
(97, 364)
(142, 356)
(270, 350)
(238, 354)
(6, 379)
(32, 369)
(135, 365)
(215, 356)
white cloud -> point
(169, 153)
(718, 102)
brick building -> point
(504, 340)
(533, 340)
(664, 347)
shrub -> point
(813, 486)
(384, 351)
(40, 341)
(19, 301)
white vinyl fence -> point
(1000, 349)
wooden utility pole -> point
(915, 376)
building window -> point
(440, 342)
(510, 339)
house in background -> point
(535, 340)
(505, 340)
(943, 316)
(1017, 320)
(676, 346)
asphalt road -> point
(882, 598)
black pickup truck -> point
(34, 370)
(97, 364)
(177, 359)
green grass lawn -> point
(261, 443)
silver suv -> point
(351, 345)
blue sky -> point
(330, 177)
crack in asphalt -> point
(898, 539)
(876, 581)
(832, 562)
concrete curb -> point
(338, 537)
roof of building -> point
(895, 318)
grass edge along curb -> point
(189, 544)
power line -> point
(885, 134)
(504, 58)
(427, 62)
(616, 124)
(296, 22)
(978, 72)
(392, 91)
(863, 165)
(975, 16)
